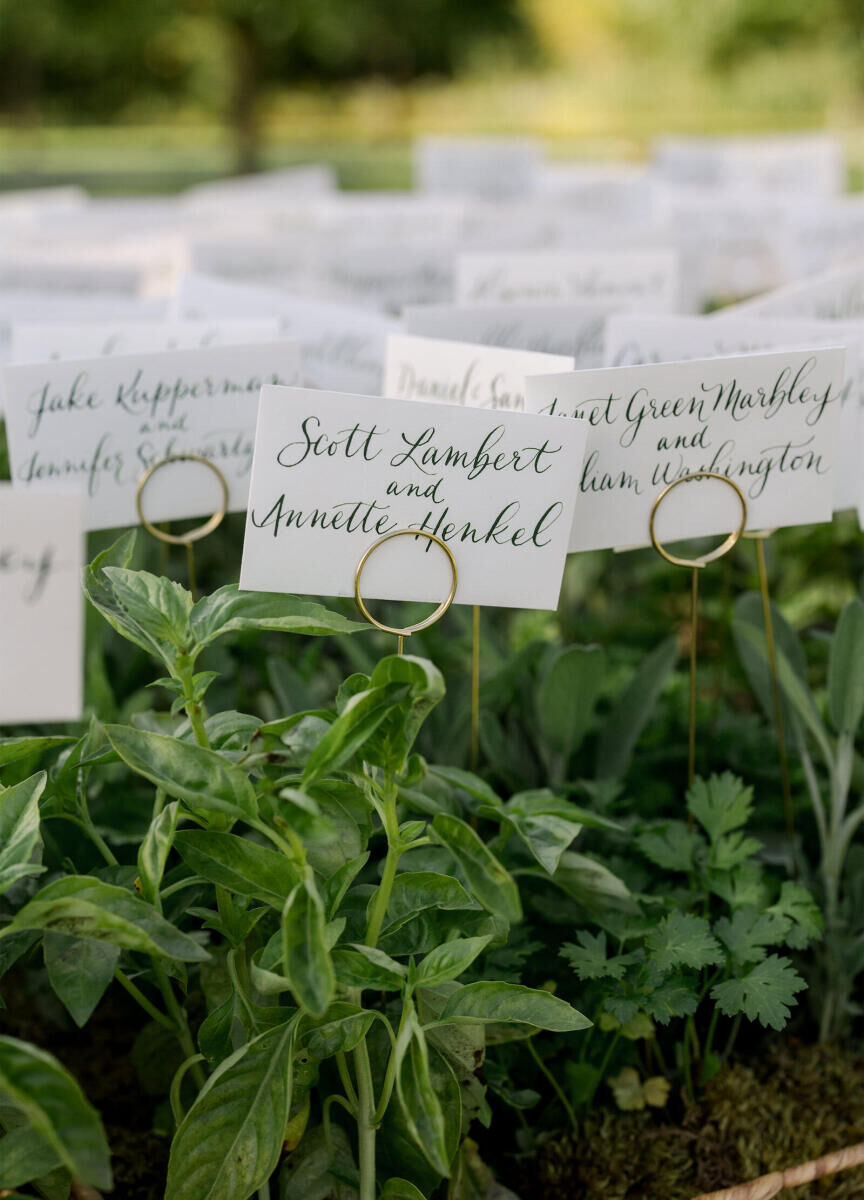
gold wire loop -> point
(200, 531)
(439, 612)
(724, 547)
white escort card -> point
(420, 368)
(99, 424)
(41, 605)
(97, 339)
(333, 473)
(767, 421)
(809, 164)
(342, 347)
(646, 279)
(633, 339)
(572, 329)
(833, 295)
(499, 168)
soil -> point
(793, 1105)
(100, 1058)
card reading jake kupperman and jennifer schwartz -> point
(767, 421)
(334, 472)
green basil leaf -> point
(157, 605)
(19, 829)
(239, 865)
(200, 777)
(338, 1031)
(79, 971)
(487, 1001)
(401, 1189)
(334, 888)
(101, 595)
(305, 955)
(414, 891)
(351, 730)
(87, 908)
(230, 1140)
(418, 1101)
(368, 967)
(489, 881)
(229, 610)
(154, 850)
(25, 1155)
(450, 960)
(15, 748)
(56, 1108)
(394, 738)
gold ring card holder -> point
(696, 564)
(407, 630)
(193, 535)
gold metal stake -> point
(475, 690)
(200, 531)
(407, 630)
(759, 538)
(696, 564)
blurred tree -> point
(92, 58)
(272, 41)
(99, 59)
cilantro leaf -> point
(676, 997)
(671, 846)
(589, 959)
(749, 932)
(763, 994)
(742, 888)
(682, 940)
(623, 1006)
(720, 804)
(798, 907)
(732, 849)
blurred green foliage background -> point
(214, 85)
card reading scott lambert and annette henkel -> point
(333, 473)
(422, 368)
(767, 421)
(99, 424)
(41, 605)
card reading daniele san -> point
(767, 421)
(423, 368)
(99, 424)
(41, 605)
(334, 472)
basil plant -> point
(309, 877)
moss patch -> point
(798, 1103)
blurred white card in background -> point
(342, 347)
(833, 295)
(421, 368)
(803, 163)
(334, 472)
(41, 605)
(646, 280)
(572, 329)
(768, 421)
(98, 424)
(633, 339)
(96, 339)
(495, 167)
